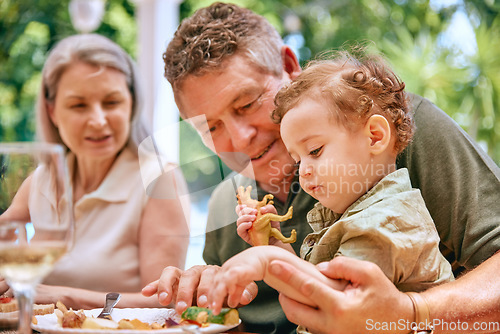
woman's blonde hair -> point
(96, 50)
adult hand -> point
(188, 287)
(48, 294)
(4, 288)
(369, 303)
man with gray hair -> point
(226, 63)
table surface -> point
(10, 331)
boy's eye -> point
(316, 152)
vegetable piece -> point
(171, 323)
(202, 315)
(5, 300)
(99, 323)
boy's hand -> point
(236, 277)
(247, 216)
(271, 209)
(272, 240)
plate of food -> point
(9, 314)
(135, 321)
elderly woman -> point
(90, 102)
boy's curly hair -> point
(213, 34)
(357, 86)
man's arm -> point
(473, 300)
(372, 304)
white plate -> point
(48, 323)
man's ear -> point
(378, 131)
(290, 62)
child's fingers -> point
(276, 225)
(242, 231)
(246, 218)
(248, 211)
(217, 296)
(268, 209)
(243, 227)
(235, 295)
(242, 209)
(239, 207)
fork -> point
(193, 329)
(111, 299)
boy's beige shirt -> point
(389, 226)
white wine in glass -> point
(36, 218)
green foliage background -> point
(408, 32)
(28, 29)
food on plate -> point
(136, 324)
(41, 309)
(8, 304)
(202, 315)
(80, 319)
(99, 323)
(261, 229)
(140, 325)
(67, 318)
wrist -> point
(422, 323)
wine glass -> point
(36, 218)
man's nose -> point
(241, 133)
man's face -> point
(237, 103)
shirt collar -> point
(113, 188)
(396, 182)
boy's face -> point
(237, 103)
(334, 161)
